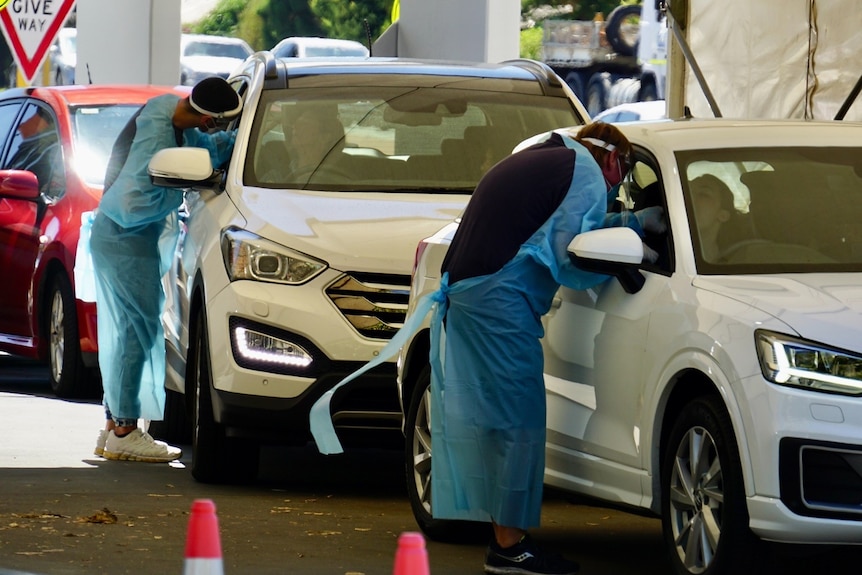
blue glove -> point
(652, 219)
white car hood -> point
(351, 231)
(825, 307)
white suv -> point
(295, 267)
(721, 387)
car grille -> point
(374, 304)
(822, 479)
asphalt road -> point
(66, 511)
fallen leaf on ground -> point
(103, 516)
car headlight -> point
(250, 257)
(787, 360)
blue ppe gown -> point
(488, 413)
(132, 242)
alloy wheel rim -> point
(56, 337)
(422, 451)
(696, 500)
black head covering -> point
(214, 97)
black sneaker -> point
(524, 558)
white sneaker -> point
(139, 446)
(100, 442)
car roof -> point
(89, 94)
(280, 70)
(337, 65)
(701, 133)
(716, 133)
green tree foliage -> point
(346, 18)
(288, 18)
(531, 43)
(262, 23)
(223, 20)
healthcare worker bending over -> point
(132, 242)
(506, 262)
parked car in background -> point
(63, 56)
(313, 47)
(63, 136)
(633, 112)
(296, 269)
(203, 55)
(720, 388)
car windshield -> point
(774, 210)
(392, 138)
(216, 49)
(95, 128)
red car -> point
(63, 135)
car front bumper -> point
(806, 462)
(256, 397)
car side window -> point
(8, 113)
(35, 146)
(641, 189)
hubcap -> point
(696, 500)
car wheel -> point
(597, 93)
(215, 457)
(417, 451)
(573, 79)
(622, 30)
(704, 516)
(69, 377)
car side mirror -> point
(183, 168)
(611, 251)
(19, 184)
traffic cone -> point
(203, 545)
(411, 557)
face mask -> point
(610, 148)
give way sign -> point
(30, 26)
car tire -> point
(573, 79)
(67, 373)
(417, 432)
(216, 458)
(615, 31)
(704, 515)
(597, 93)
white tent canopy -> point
(775, 58)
